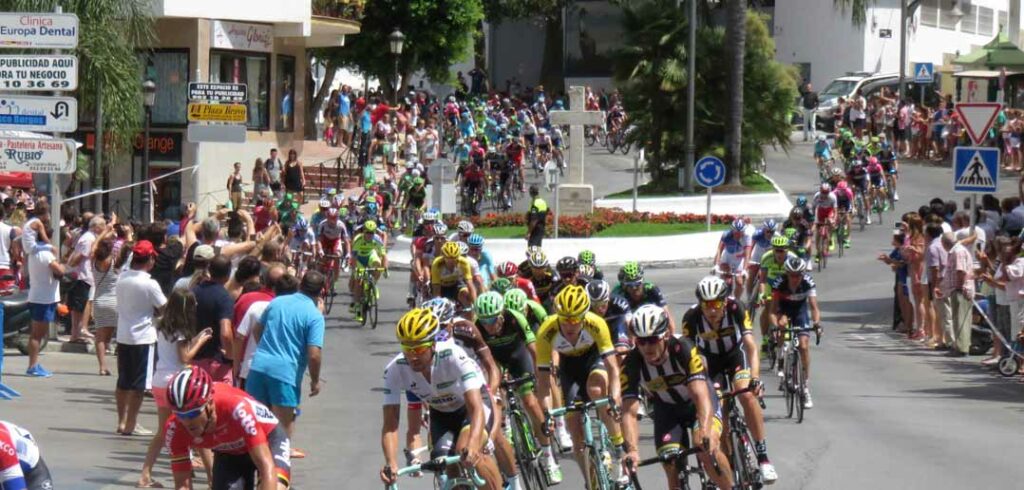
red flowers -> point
(588, 225)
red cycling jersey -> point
(242, 423)
(473, 173)
(515, 154)
(527, 286)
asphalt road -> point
(887, 414)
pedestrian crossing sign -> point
(924, 72)
(975, 169)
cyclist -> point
(844, 203)
(321, 214)
(509, 270)
(762, 240)
(568, 270)
(515, 151)
(368, 251)
(824, 206)
(615, 311)
(889, 158)
(451, 276)
(473, 183)
(734, 251)
(451, 384)
(482, 257)
(773, 266)
(793, 294)
(478, 280)
(543, 146)
(248, 443)
(822, 151)
(414, 198)
(720, 327)
(637, 291)
(511, 341)
(797, 230)
(332, 235)
(517, 300)
(587, 257)
(424, 248)
(301, 240)
(462, 232)
(21, 463)
(805, 211)
(671, 373)
(587, 367)
(430, 217)
(537, 269)
(876, 174)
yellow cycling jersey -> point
(593, 335)
(442, 275)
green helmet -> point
(587, 257)
(489, 305)
(342, 212)
(515, 300)
(780, 241)
(631, 272)
(501, 285)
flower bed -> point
(586, 226)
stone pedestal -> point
(575, 199)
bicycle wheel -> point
(840, 238)
(798, 385)
(591, 138)
(371, 305)
(739, 471)
(331, 293)
(879, 208)
(861, 215)
(771, 356)
(787, 384)
(529, 467)
(749, 457)
(626, 147)
(597, 472)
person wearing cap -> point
(201, 257)
(44, 272)
(139, 296)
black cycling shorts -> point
(445, 428)
(452, 292)
(238, 472)
(733, 364)
(672, 422)
(38, 478)
(516, 360)
(573, 372)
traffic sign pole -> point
(708, 217)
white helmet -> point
(711, 288)
(415, 173)
(465, 227)
(649, 320)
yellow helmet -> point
(451, 250)
(572, 301)
(416, 326)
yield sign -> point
(978, 118)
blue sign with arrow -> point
(709, 172)
(975, 169)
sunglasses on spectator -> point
(417, 349)
(716, 304)
(190, 414)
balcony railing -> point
(340, 9)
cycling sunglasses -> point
(715, 304)
(647, 340)
(191, 414)
(491, 320)
(417, 349)
(572, 320)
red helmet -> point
(191, 388)
(474, 145)
(508, 269)
(332, 214)
(872, 161)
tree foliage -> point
(111, 33)
(858, 9)
(651, 72)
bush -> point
(588, 225)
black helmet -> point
(567, 265)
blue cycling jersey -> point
(735, 245)
(762, 238)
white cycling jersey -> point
(827, 201)
(453, 374)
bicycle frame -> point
(597, 447)
(439, 466)
(679, 459)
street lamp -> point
(396, 40)
(148, 100)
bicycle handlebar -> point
(515, 383)
(581, 407)
(438, 465)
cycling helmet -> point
(631, 272)
(451, 250)
(332, 191)
(795, 264)
(538, 259)
(872, 161)
(475, 240)
(370, 226)
(711, 288)
(440, 228)
(489, 305)
(508, 269)
(429, 215)
(343, 212)
(739, 224)
(353, 198)
(442, 308)
(300, 224)
(586, 271)
(599, 291)
(841, 184)
(825, 187)
(418, 325)
(371, 208)
(587, 257)
(324, 203)
(515, 300)
(801, 201)
(875, 139)
(332, 214)
(409, 164)
(770, 224)
(821, 137)
(465, 227)
(463, 248)
(572, 301)
(415, 174)
(649, 320)
(189, 389)
(501, 285)
(566, 265)
(780, 241)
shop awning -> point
(999, 52)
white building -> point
(823, 43)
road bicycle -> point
(794, 379)
(861, 208)
(739, 444)
(596, 134)
(366, 309)
(519, 430)
(597, 443)
(329, 268)
(842, 232)
(464, 478)
(823, 236)
(681, 460)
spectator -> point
(344, 114)
(80, 293)
(234, 186)
(248, 271)
(913, 253)
(898, 263)
(1014, 272)
(105, 273)
(1007, 250)
(294, 177)
(248, 310)
(274, 167)
(536, 218)
(291, 335)
(935, 263)
(10, 249)
(139, 296)
(260, 179)
(200, 268)
(214, 309)
(956, 294)
(44, 273)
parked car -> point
(868, 84)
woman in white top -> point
(104, 305)
(177, 343)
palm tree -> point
(735, 36)
(858, 8)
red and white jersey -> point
(242, 423)
(18, 454)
